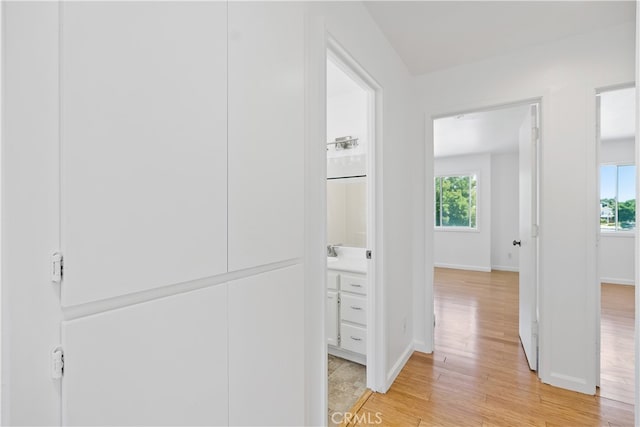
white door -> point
(527, 239)
(332, 318)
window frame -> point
(453, 228)
(615, 231)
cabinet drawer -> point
(353, 338)
(333, 279)
(353, 283)
(353, 308)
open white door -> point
(528, 321)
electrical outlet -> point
(509, 255)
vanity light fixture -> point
(343, 143)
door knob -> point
(517, 243)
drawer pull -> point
(355, 285)
(356, 338)
(355, 307)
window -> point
(617, 197)
(456, 201)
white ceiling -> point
(432, 35)
(494, 131)
(617, 114)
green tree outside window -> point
(456, 201)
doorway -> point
(616, 145)
(486, 208)
(350, 315)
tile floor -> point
(347, 382)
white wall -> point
(565, 74)
(616, 251)
(504, 211)
(353, 28)
(467, 249)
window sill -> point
(456, 229)
(618, 234)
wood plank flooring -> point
(617, 346)
(478, 374)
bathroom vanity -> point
(346, 319)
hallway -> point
(478, 374)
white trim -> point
(453, 229)
(462, 267)
(4, 360)
(466, 107)
(615, 281)
(618, 234)
(637, 233)
(315, 287)
(505, 268)
(376, 343)
(397, 367)
(594, 288)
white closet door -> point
(266, 132)
(143, 145)
(266, 349)
(163, 362)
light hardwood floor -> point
(478, 374)
(617, 347)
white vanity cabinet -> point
(346, 316)
(332, 317)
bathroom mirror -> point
(347, 212)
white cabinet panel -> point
(143, 145)
(353, 338)
(266, 349)
(332, 318)
(356, 283)
(162, 362)
(353, 308)
(266, 132)
(333, 280)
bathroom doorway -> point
(350, 222)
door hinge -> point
(535, 134)
(534, 329)
(534, 230)
(339, 339)
(57, 266)
(57, 363)
(338, 299)
(368, 253)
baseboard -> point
(421, 346)
(348, 355)
(570, 383)
(397, 367)
(614, 281)
(505, 268)
(463, 267)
